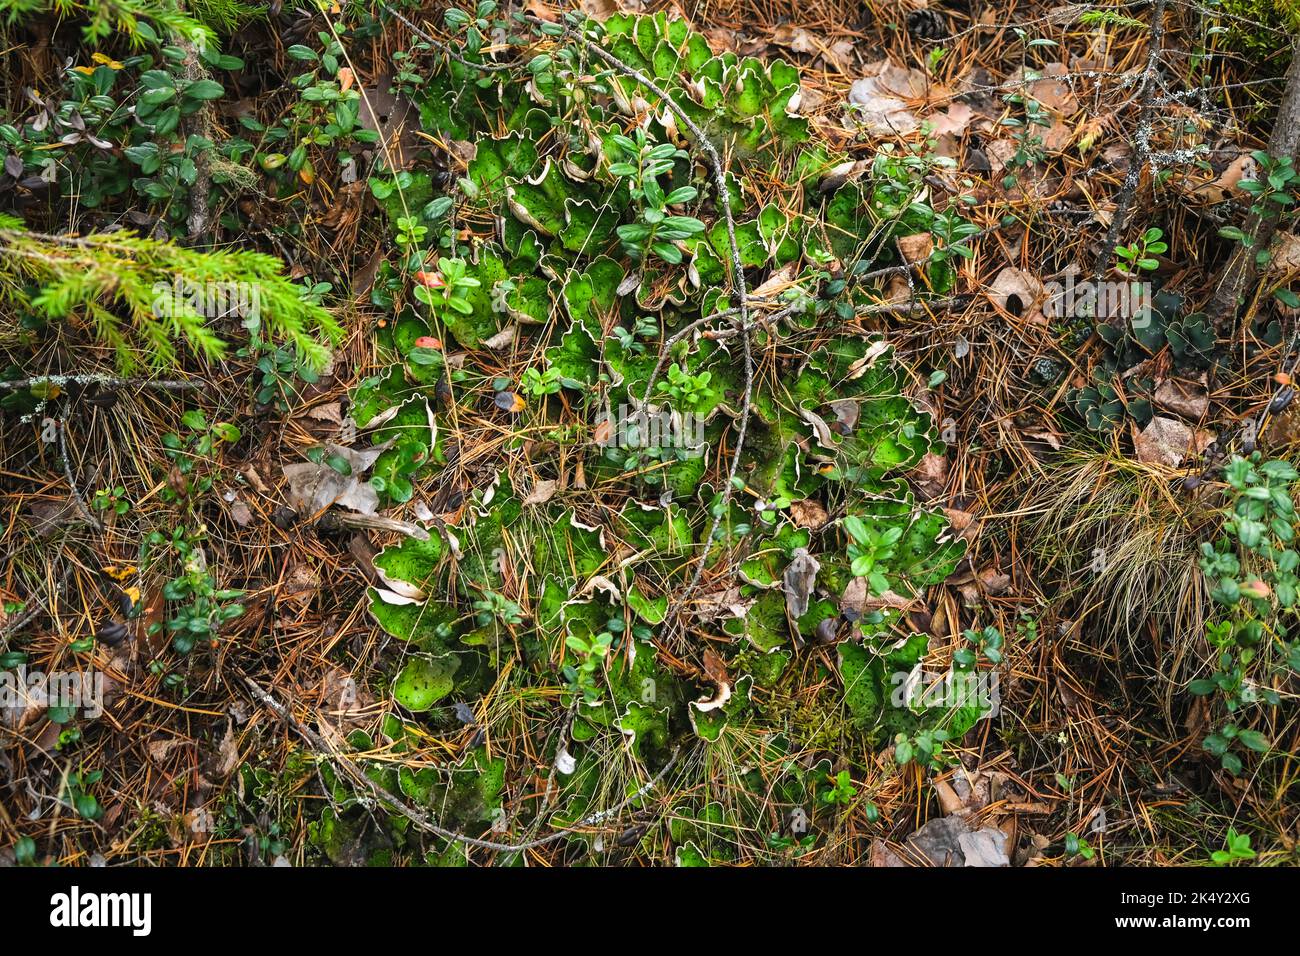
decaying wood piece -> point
(1238, 276)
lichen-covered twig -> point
(199, 124)
(104, 381)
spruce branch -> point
(145, 295)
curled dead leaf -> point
(798, 582)
(541, 493)
(809, 514)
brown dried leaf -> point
(159, 749)
(949, 841)
(240, 513)
(994, 581)
(952, 121)
(1191, 400)
(930, 475)
(1053, 91)
(857, 598)
(798, 582)
(809, 514)
(1017, 291)
(541, 493)
(916, 247)
(1286, 252)
(884, 94)
(314, 486)
(715, 668)
(1165, 441)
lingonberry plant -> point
(1251, 568)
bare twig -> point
(21, 620)
(199, 124)
(446, 50)
(422, 820)
(84, 511)
(1142, 148)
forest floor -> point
(924, 554)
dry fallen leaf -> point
(509, 402)
(858, 599)
(930, 476)
(343, 699)
(808, 514)
(994, 581)
(314, 486)
(882, 856)
(240, 513)
(916, 247)
(952, 121)
(949, 841)
(798, 582)
(394, 118)
(330, 412)
(159, 749)
(885, 93)
(1017, 291)
(1285, 252)
(1165, 441)
(963, 522)
(228, 752)
(1053, 90)
(999, 153)
(715, 668)
(836, 54)
(795, 38)
(1225, 185)
(300, 584)
(541, 492)
(1191, 400)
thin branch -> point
(444, 48)
(1142, 149)
(89, 518)
(104, 381)
(1239, 274)
(422, 820)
